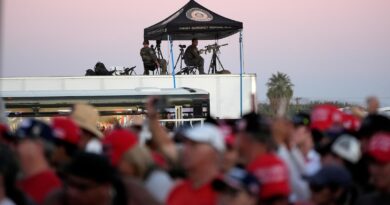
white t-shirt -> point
(294, 161)
(159, 184)
(313, 163)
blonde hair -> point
(140, 158)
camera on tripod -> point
(182, 46)
(157, 49)
(158, 43)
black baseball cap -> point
(237, 179)
(301, 119)
(256, 125)
(34, 129)
(372, 124)
(331, 176)
(91, 166)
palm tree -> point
(279, 92)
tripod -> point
(160, 57)
(180, 57)
(214, 62)
(159, 54)
(128, 71)
(157, 51)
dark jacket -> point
(148, 56)
(374, 198)
(191, 53)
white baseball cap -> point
(207, 133)
(347, 147)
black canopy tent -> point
(195, 21)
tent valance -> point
(193, 21)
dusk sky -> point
(331, 49)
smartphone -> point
(160, 103)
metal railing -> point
(181, 122)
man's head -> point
(326, 117)
(136, 162)
(195, 41)
(301, 131)
(86, 117)
(326, 124)
(347, 147)
(66, 138)
(145, 43)
(379, 151)
(203, 145)
(330, 185)
(343, 150)
(88, 180)
(117, 143)
(372, 104)
(372, 124)
(237, 187)
(35, 143)
(253, 136)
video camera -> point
(182, 46)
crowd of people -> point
(325, 157)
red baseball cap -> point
(4, 128)
(272, 174)
(228, 134)
(351, 122)
(379, 147)
(65, 129)
(5, 131)
(324, 117)
(117, 143)
(229, 140)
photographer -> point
(192, 56)
(150, 60)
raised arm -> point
(160, 136)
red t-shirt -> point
(37, 187)
(272, 174)
(185, 194)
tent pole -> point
(172, 61)
(241, 69)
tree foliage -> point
(280, 89)
(265, 108)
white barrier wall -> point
(224, 89)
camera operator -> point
(150, 60)
(192, 56)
